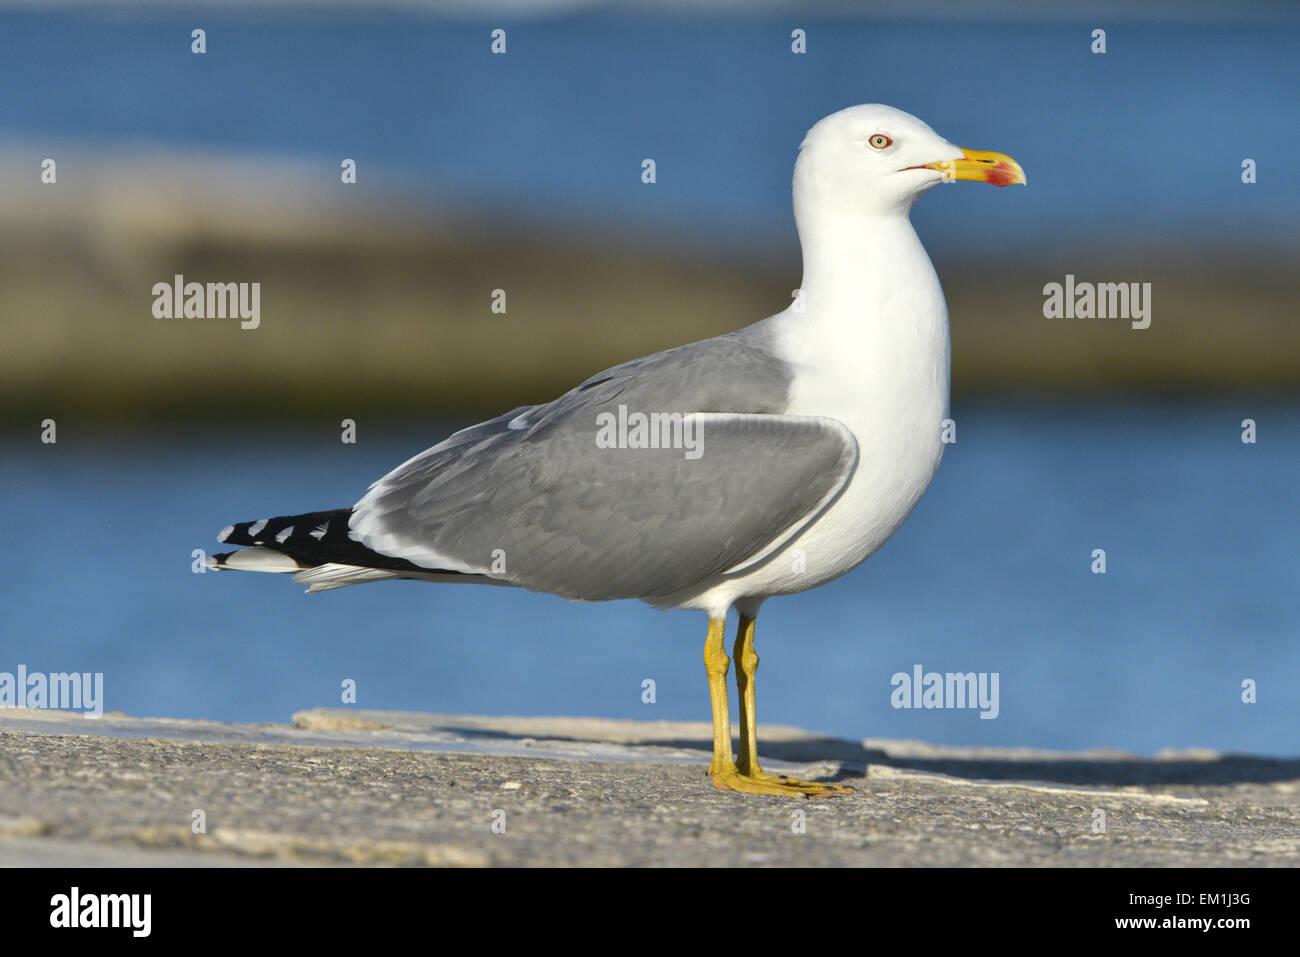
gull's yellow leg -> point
(747, 778)
(715, 663)
(746, 665)
(747, 759)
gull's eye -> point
(880, 141)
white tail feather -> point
(257, 559)
(333, 575)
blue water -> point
(991, 573)
(1141, 144)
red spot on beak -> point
(1001, 177)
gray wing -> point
(539, 497)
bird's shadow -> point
(1085, 771)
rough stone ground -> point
(356, 787)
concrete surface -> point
(347, 787)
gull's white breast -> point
(884, 373)
(891, 390)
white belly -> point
(892, 393)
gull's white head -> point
(875, 159)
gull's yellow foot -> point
(730, 779)
(726, 775)
(823, 789)
(784, 784)
(746, 766)
(752, 770)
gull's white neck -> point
(866, 269)
(868, 348)
(871, 316)
(868, 345)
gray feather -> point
(534, 490)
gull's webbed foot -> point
(731, 779)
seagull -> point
(712, 476)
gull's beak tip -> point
(983, 166)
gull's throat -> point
(864, 268)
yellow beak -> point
(982, 167)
